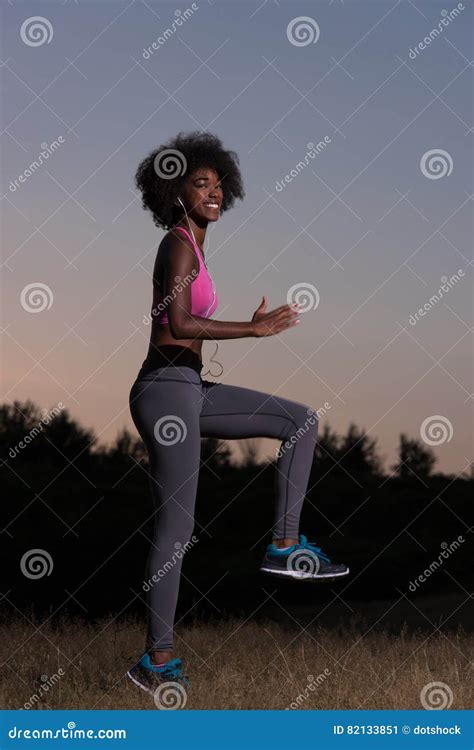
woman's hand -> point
(268, 324)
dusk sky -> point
(365, 232)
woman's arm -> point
(184, 325)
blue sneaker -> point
(167, 683)
(303, 561)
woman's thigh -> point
(232, 412)
(166, 412)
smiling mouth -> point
(211, 204)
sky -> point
(364, 232)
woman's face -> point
(202, 195)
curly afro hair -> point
(161, 174)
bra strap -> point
(194, 244)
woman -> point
(186, 184)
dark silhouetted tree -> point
(249, 449)
(327, 450)
(468, 474)
(215, 454)
(358, 453)
(16, 421)
(414, 459)
(126, 448)
(48, 435)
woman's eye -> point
(204, 185)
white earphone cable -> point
(212, 281)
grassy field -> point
(235, 664)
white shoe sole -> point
(302, 576)
(147, 690)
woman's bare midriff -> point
(161, 335)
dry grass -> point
(234, 665)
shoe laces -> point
(304, 544)
(174, 670)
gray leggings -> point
(172, 408)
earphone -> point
(189, 225)
(190, 228)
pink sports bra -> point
(203, 291)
